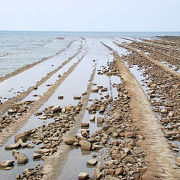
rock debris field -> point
(98, 109)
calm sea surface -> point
(18, 48)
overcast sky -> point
(90, 15)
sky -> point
(90, 15)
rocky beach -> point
(95, 108)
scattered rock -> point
(129, 159)
(92, 162)
(174, 145)
(100, 120)
(84, 124)
(22, 136)
(55, 109)
(85, 145)
(77, 97)
(7, 163)
(83, 176)
(60, 97)
(43, 117)
(164, 110)
(95, 90)
(71, 140)
(36, 156)
(20, 157)
(42, 151)
(85, 133)
(18, 176)
(129, 134)
(92, 118)
(12, 146)
(170, 114)
(38, 113)
(119, 171)
(153, 86)
(109, 171)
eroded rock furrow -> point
(149, 126)
(12, 128)
(157, 53)
(169, 70)
(21, 108)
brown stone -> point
(109, 171)
(77, 97)
(119, 171)
(83, 176)
(21, 158)
(71, 140)
(22, 136)
(129, 134)
(129, 159)
(7, 163)
(84, 124)
(100, 120)
(85, 145)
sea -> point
(19, 48)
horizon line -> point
(68, 31)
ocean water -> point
(118, 34)
(19, 48)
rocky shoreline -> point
(123, 134)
